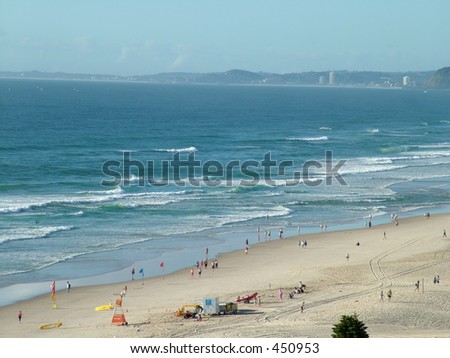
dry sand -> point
(414, 250)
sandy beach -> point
(414, 250)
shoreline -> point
(36, 289)
(415, 247)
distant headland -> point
(421, 79)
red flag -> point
(161, 264)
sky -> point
(137, 37)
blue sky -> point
(128, 37)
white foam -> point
(28, 233)
(117, 190)
(177, 150)
(434, 146)
(249, 214)
(309, 139)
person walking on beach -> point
(417, 284)
(389, 295)
(133, 271)
(347, 256)
(19, 316)
(382, 296)
(444, 234)
(246, 249)
(302, 307)
(280, 294)
(68, 286)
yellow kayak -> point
(51, 325)
(104, 308)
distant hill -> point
(341, 78)
(441, 79)
(242, 77)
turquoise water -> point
(59, 222)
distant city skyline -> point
(146, 37)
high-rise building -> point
(405, 80)
(331, 79)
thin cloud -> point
(124, 52)
(177, 63)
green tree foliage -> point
(350, 327)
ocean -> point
(98, 177)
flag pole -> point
(53, 294)
(162, 266)
(141, 271)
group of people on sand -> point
(196, 313)
(300, 289)
(297, 290)
(204, 264)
